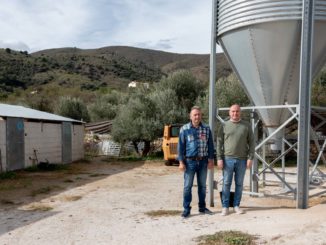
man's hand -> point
(249, 163)
(182, 166)
(210, 164)
(220, 164)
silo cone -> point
(261, 40)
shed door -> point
(66, 142)
(15, 143)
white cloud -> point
(186, 24)
(42, 24)
(14, 45)
(181, 26)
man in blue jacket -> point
(195, 155)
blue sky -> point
(179, 26)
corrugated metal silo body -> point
(262, 42)
(26, 141)
(15, 143)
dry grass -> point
(162, 213)
(72, 198)
(97, 175)
(12, 184)
(38, 207)
(68, 181)
(227, 238)
(317, 200)
(45, 190)
(7, 202)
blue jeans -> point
(200, 169)
(238, 167)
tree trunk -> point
(135, 144)
(147, 147)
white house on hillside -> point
(135, 84)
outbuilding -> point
(29, 136)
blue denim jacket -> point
(195, 142)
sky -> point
(178, 26)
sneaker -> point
(225, 211)
(185, 214)
(237, 210)
(205, 211)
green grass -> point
(227, 238)
(48, 167)
(134, 158)
(8, 175)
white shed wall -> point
(77, 135)
(45, 138)
(3, 148)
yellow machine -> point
(170, 143)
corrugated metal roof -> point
(103, 127)
(24, 112)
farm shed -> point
(30, 136)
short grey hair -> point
(195, 107)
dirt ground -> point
(111, 202)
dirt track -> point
(108, 202)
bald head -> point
(235, 113)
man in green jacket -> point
(235, 152)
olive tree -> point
(73, 108)
(106, 106)
(318, 92)
(169, 110)
(143, 117)
(137, 122)
(185, 85)
(229, 91)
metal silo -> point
(275, 47)
(261, 39)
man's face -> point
(235, 113)
(195, 117)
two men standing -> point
(235, 151)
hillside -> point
(78, 72)
(159, 62)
